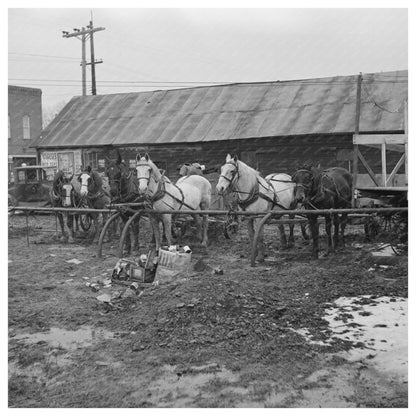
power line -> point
(43, 56)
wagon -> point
(386, 189)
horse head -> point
(114, 173)
(306, 179)
(228, 175)
(86, 179)
(183, 170)
(144, 172)
(67, 192)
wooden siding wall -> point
(268, 155)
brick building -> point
(24, 125)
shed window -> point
(132, 163)
(91, 159)
(26, 127)
(10, 133)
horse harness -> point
(161, 191)
(254, 194)
(322, 189)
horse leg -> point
(291, 242)
(198, 223)
(336, 230)
(167, 224)
(283, 240)
(305, 234)
(62, 225)
(76, 217)
(314, 226)
(250, 228)
(204, 231)
(328, 228)
(344, 221)
(95, 226)
(260, 244)
(154, 221)
(70, 225)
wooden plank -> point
(356, 131)
(367, 167)
(366, 139)
(395, 169)
(383, 165)
(406, 126)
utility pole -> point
(83, 36)
(93, 61)
(356, 133)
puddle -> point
(70, 340)
(379, 324)
(171, 390)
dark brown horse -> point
(124, 188)
(324, 189)
(93, 194)
(63, 195)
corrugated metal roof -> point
(226, 112)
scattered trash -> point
(103, 280)
(69, 280)
(128, 293)
(74, 261)
(357, 245)
(218, 270)
(134, 286)
(105, 298)
(95, 287)
(180, 305)
(142, 271)
(172, 261)
(371, 269)
(384, 266)
(115, 295)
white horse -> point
(256, 194)
(189, 193)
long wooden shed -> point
(273, 126)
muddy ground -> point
(250, 337)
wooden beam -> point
(355, 147)
(366, 139)
(367, 167)
(396, 169)
(406, 126)
(383, 165)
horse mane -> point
(97, 179)
(58, 175)
(155, 169)
(249, 168)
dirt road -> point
(291, 332)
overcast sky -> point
(165, 48)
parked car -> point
(30, 186)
